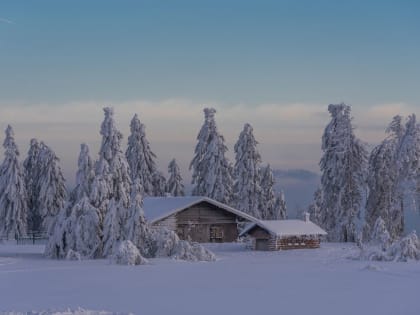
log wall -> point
(203, 223)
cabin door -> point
(261, 244)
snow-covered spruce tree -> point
(342, 165)
(136, 228)
(268, 199)
(105, 206)
(247, 189)
(393, 172)
(112, 218)
(78, 225)
(51, 185)
(212, 172)
(13, 196)
(111, 185)
(380, 235)
(84, 176)
(315, 208)
(32, 169)
(280, 207)
(159, 184)
(174, 185)
(141, 159)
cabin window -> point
(216, 234)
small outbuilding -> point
(198, 219)
(284, 234)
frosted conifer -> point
(52, 189)
(113, 227)
(84, 176)
(280, 208)
(393, 171)
(159, 184)
(268, 198)
(247, 189)
(174, 185)
(13, 196)
(141, 159)
(32, 169)
(342, 182)
(136, 228)
(111, 185)
(112, 176)
(78, 225)
(212, 172)
(315, 208)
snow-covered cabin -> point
(199, 219)
(284, 234)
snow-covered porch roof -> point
(286, 227)
(159, 208)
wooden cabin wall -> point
(203, 223)
(297, 242)
(262, 240)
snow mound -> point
(168, 244)
(372, 267)
(404, 249)
(78, 311)
(73, 255)
(192, 252)
(128, 254)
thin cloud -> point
(7, 21)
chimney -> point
(306, 217)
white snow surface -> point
(321, 281)
(287, 227)
(78, 311)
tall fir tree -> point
(212, 172)
(280, 207)
(84, 176)
(111, 185)
(142, 160)
(136, 227)
(159, 184)
(393, 172)
(247, 188)
(32, 169)
(51, 185)
(13, 196)
(79, 223)
(343, 164)
(315, 208)
(84, 220)
(174, 186)
(268, 199)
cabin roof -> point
(159, 208)
(286, 227)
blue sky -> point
(274, 64)
(362, 52)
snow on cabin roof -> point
(286, 227)
(158, 208)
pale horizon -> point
(289, 135)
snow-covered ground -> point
(242, 282)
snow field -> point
(292, 282)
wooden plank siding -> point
(283, 243)
(203, 223)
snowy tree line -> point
(358, 190)
(247, 185)
(105, 207)
(33, 193)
